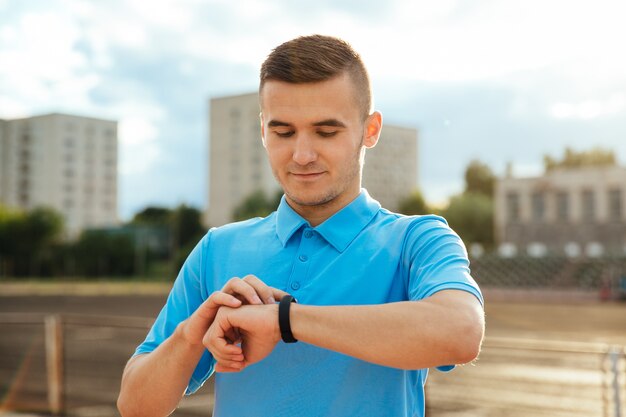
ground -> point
(533, 363)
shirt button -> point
(295, 285)
(308, 234)
(303, 258)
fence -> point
(72, 364)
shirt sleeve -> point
(437, 260)
(187, 294)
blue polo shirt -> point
(363, 254)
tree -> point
(479, 178)
(186, 225)
(100, 253)
(471, 216)
(152, 216)
(414, 203)
(257, 204)
(26, 238)
(572, 159)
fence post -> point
(54, 363)
(615, 356)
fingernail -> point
(271, 300)
(257, 300)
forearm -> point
(407, 335)
(153, 384)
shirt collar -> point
(338, 230)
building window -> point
(615, 205)
(538, 202)
(562, 206)
(512, 206)
(588, 206)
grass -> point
(84, 286)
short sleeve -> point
(436, 259)
(185, 297)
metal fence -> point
(71, 365)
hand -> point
(237, 291)
(255, 327)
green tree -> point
(414, 203)
(152, 216)
(573, 159)
(99, 253)
(257, 204)
(471, 216)
(186, 223)
(26, 239)
(187, 230)
(479, 178)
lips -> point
(307, 175)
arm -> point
(154, 383)
(446, 328)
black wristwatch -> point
(283, 319)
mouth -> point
(309, 176)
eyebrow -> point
(327, 122)
(276, 123)
(330, 122)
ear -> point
(373, 126)
(262, 130)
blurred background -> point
(128, 128)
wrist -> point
(284, 318)
(182, 336)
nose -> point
(304, 152)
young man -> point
(381, 297)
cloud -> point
(502, 80)
(590, 109)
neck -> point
(318, 214)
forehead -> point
(292, 103)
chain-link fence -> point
(606, 274)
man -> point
(381, 296)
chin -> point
(310, 199)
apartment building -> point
(65, 162)
(577, 212)
(238, 162)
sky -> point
(501, 81)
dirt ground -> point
(504, 382)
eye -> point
(326, 134)
(284, 134)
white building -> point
(577, 212)
(68, 163)
(239, 166)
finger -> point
(262, 289)
(278, 294)
(218, 345)
(232, 336)
(239, 287)
(223, 368)
(228, 358)
(208, 308)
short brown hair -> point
(315, 58)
